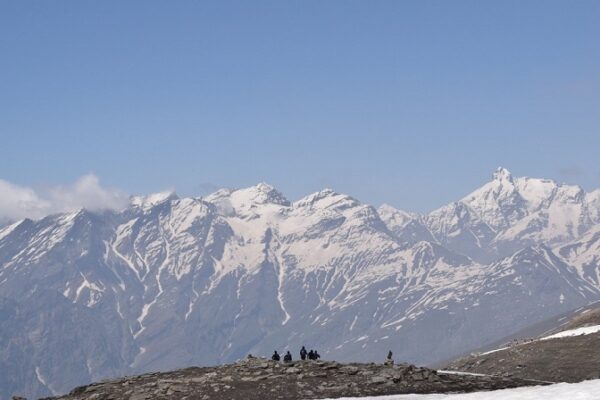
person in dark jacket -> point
(287, 357)
(316, 355)
(303, 353)
(311, 355)
(389, 360)
(275, 356)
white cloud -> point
(17, 202)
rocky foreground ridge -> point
(257, 378)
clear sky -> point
(412, 103)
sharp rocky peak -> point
(529, 194)
(502, 174)
(263, 193)
(501, 185)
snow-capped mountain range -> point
(170, 282)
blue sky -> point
(410, 103)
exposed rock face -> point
(268, 380)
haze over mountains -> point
(170, 282)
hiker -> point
(287, 357)
(275, 356)
(311, 355)
(389, 360)
(316, 355)
(303, 353)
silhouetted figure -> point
(303, 353)
(389, 360)
(311, 355)
(275, 356)
(287, 357)
(316, 355)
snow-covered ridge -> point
(8, 229)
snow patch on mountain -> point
(586, 330)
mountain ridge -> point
(170, 281)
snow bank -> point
(586, 330)
(588, 390)
(494, 351)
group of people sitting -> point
(311, 355)
(314, 355)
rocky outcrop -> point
(256, 378)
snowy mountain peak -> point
(409, 228)
(327, 198)
(263, 193)
(230, 202)
(392, 215)
(264, 187)
(316, 196)
(501, 174)
(154, 199)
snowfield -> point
(588, 390)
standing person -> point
(275, 356)
(287, 357)
(311, 355)
(389, 360)
(316, 355)
(303, 353)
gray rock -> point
(379, 379)
(293, 370)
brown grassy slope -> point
(569, 359)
